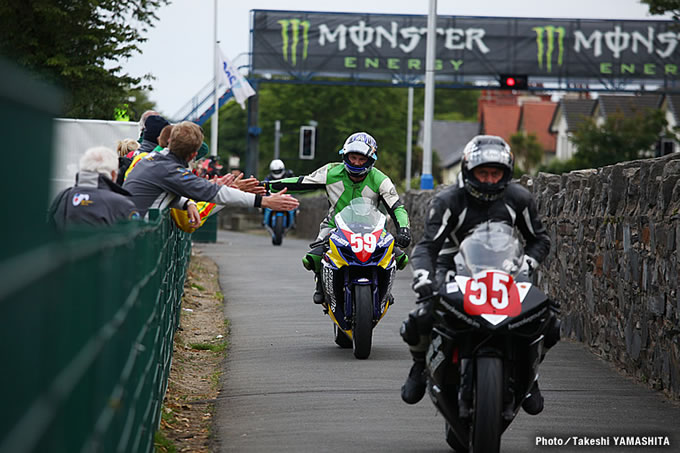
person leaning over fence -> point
(95, 199)
(164, 180)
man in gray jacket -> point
(159, 181)
(95, 199)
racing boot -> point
(533, 404)
(413, 389)
(318, 291)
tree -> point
(77, 45)
(528, 152)
(664, 6)
(620, 138)
(339, 111)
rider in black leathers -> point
(452, 215)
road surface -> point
(288, 388)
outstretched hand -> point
(251, 185)
(280, 201)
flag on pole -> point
(232, 78)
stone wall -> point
(614, 262)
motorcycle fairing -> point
(342, 254)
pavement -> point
(287, 387)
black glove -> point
(422, 284)
(403, 237)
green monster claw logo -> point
(548, 32)
(295, 25)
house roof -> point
(501, 120)
(536, 118)
(575, 111)
(449, 139)
(627, 105)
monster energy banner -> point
(389, 45)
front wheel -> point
(278, 230)
(362, 327)
(487, 423)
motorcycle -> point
(491, 328)
(278, 223)
(357, 273)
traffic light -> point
(307, 142)
(514, 82)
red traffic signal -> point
(514, 82)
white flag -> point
(232, 78)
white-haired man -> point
(95, 199)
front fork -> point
(349, 290)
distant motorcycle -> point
(488, 335)
(357, 275)
(278, 223)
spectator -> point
(142, 120)
(125, 147)
(95, 199)
(164, 138)
(159, 180)
(153, 126)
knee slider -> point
(311, 262)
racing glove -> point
(403, 238)
(422, 283)
(529, 265)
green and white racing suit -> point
(340, 189)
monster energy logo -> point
(294, 25)
(548, 33)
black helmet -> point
(487, 151)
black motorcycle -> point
(488, 338)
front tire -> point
(487, 423)
(362, 327)
(278, 230)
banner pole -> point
(409, 137)
(426, 180)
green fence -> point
(88, 326)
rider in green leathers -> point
(355, 177)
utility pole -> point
(426, 180)
(409, 137)
(277, 137)
(216, 99)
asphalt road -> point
(288, 388)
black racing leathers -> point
(453, 213)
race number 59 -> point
(366, 242)
(492, 293)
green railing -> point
(88, 326)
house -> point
(448, 141)
(500, 120)
(535, 119)
(568, 116)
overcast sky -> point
(178, 51)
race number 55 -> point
(492, 293)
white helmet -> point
(277, 168)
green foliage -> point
(663, 7)
(528, 152)
(78, 45)
(620, 138)
(339, 111)
(214, 347)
